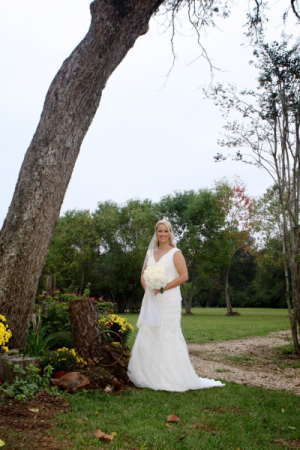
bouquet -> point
(155, 277)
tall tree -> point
(70, 105)
(69, 108)
(235, 205)
(196, 219)
(271, 130)
(73, 253)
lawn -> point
(234, 417)
(212, 324)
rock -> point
(73, 381)
(108, 389)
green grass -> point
(212, 324)
(286, 358)
(230, 418)
(233, 417)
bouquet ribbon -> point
(150, 312)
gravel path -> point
(252, 361)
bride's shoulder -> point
(176, 250)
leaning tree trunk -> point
(84, 324)
(70, 105)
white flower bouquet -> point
(155, 277)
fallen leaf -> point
(114, 433)
(104, 437)
(181, 438)
(82, 420)
(34, 409)
(293, 428)
(168, 425)
(2, 443)
(173, 418)
(99, 434)
(66, 404)
(282, 410)
(96, 412)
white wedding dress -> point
(160, 358)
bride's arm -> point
(144, 267)
(143, 281)
(180, 264)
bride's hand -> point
(157, 291)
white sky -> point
(149, 138)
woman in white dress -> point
(160, 358)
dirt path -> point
(253, 361)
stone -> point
(73, 381)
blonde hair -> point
(170, 229)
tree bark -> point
(70, 105)
(227, 290)
(84, 324)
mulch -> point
(26, 425)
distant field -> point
(212, 324)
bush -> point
(37, 342)
(116, 323)
(5, 335)
(60, 339)
(54, 311)
(64, 359)
(25, 388)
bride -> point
(160, 359)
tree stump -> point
(84, 323)
(7, 373)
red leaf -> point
(66, 404)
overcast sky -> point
(150, 136)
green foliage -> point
(38, 342)
(60, 339)
(26, 388)
(105, 307)
(55, 314)
(122, 235)
(63, 359)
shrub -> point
(105, 307)
(64, 359)
(60, 339)
(54, 311)
(116, 323)
(37, 342)
(25, 388)
(55, 315)
(5, 335)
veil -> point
(150, 311)
(153, 243)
